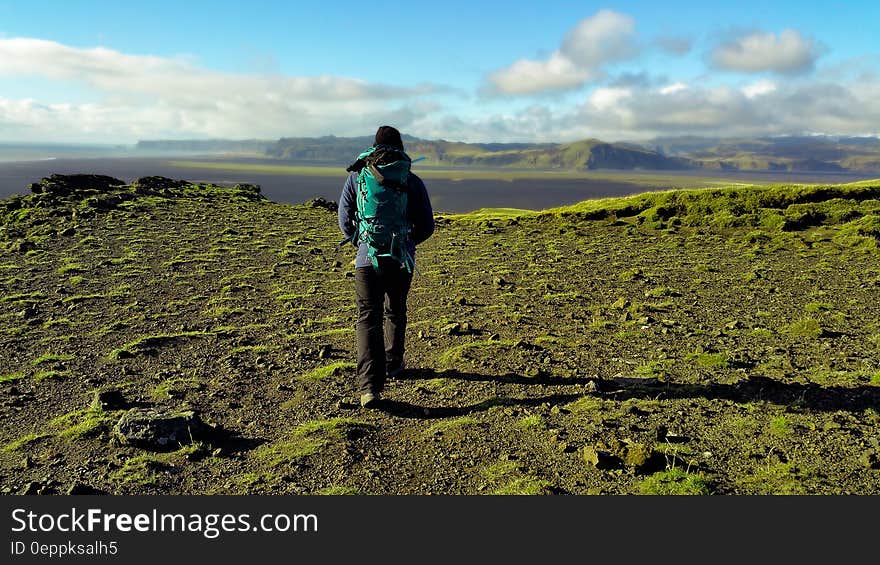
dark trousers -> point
(381, 324)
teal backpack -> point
(381, 221)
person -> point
(381, 293)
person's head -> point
(387, 135)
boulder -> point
(157, 184)
(323, 203)
(68, 185)
(160, 429)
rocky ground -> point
(171, 338)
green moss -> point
(661, 292)
(813, 307)
(310, 438)
(82, 423)
(10, 377)
(254, 349)
(455, 425)
(70, 268)
(532, 422)
(780, 427)
(24, 297)
(77, 298)
(338, 490)
(51, 358)
(23, 441)
(147, 343)
(585, 405)
(461, 352)
(440, 384)
(673, 482)
(43, 375)
(776, 479)
(507, 478)
(331, 370)
(805, 327)
(655, 369)
(327, 333)
(175, 387)
(711, 360)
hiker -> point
(385, 211)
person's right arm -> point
(420, 211)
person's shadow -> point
(807, 397)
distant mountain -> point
(580, 155)
(789, 153)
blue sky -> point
(470, 71)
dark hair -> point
(387, 135)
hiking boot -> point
(370, 399)
(394, 369)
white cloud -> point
(529, 77)
(607, 98)
(641, 112)
(787, 52)
(594, 42)
(673, 88)
(148, 96)
(758, 88)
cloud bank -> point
(786, 53)
(594, 42)
(132, 96)
(138, 95)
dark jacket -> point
(418, 211)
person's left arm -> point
(347, 208)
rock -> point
(31, 488)
(157, 184)
(643, 459)
(592, 386)
(324, 352)
(29, 312)
(82, 489)
(14, 202)
(69, 185)
(26, 245)
(249, 190)
(160, 429)
(869, 459)
(67, 232)
(323, 203)
(110, 399)
(452, 329)
(599, 459)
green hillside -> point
(720, 341)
